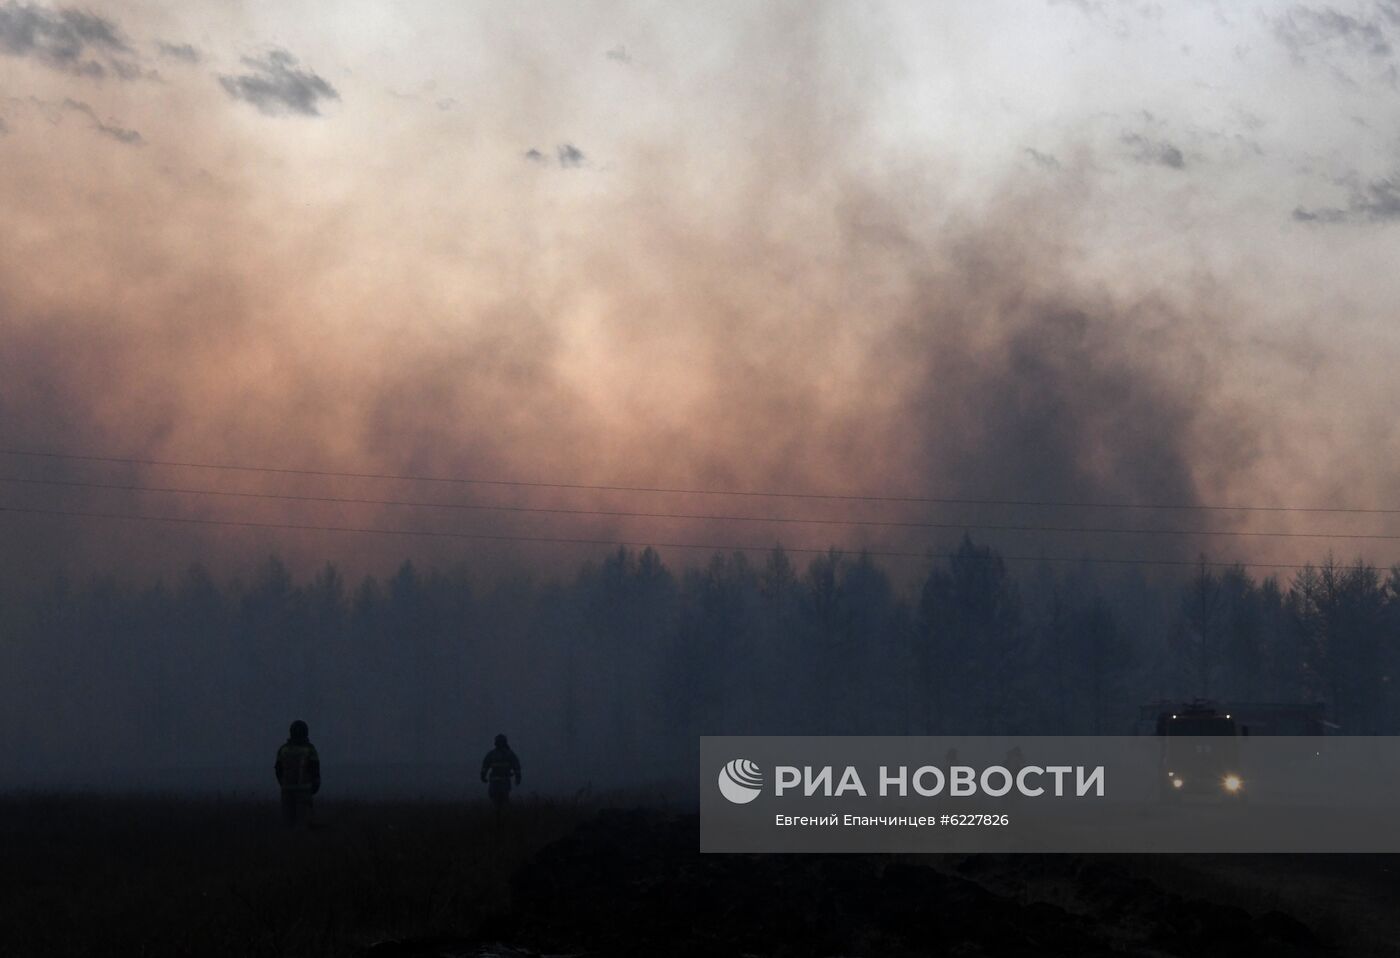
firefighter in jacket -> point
(498, 769)
(298, 771)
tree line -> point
(611, 674)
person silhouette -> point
(298, 769)
(498, 768)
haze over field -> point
(1073, 251)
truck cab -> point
(1200, 753)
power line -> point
(711, 547)
(628, 514)
(751, 493)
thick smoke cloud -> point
(776, 299)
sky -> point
(1068, 252)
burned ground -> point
(88, 875)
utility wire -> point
(627, 514)
(711, 547)
(752, 493)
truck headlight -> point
(1177, 782)
(1232, 783)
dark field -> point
(87, 875)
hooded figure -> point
(298, 769)
(498, 768)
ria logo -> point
(740, 781)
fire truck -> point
(1200, 741)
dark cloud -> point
(1374, 202)
(183, 52)
(65, 39)
(277, 85)
(1046, 161)
(119, 133)
(570, 155)
(1321, 215)
(1157, 152)
(1304, 31)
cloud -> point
(183, 52)
(620, 54)
(72, 41)
(570, 155)
(1157, 152)
(276, 85)
(1374, 202)
(4, 127)
(1045, 161)
(1347, 46)
(1321, 215)
(1302, 30)
(119, 133)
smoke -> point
(758, 292)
